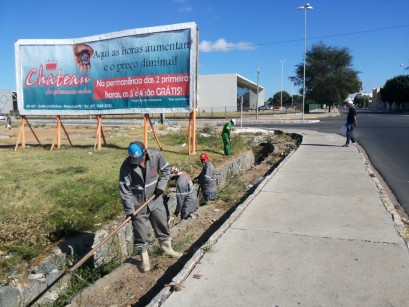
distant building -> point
(218, 93)
(377, 102)
(8, 101)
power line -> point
(252, 45)
(360, 32)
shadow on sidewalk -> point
(326, 145)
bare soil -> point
(126, 286)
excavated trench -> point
(125, 286)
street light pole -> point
(292, 95)
(405, 68)
(282, 72)
(258, 78)
(305, 8)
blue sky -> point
(234, 36)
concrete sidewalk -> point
(315, 233)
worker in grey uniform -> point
(185, 194)
(145, 173)
(207, 179)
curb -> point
(198, 255)
(397, 217)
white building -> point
(7, 98)
(224, 92)
(377, 102)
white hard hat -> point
(175, 170)
(233, 121)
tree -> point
(396, 90)
(276, 100)
(362, 100)
(329, 77)
(269, 102)
(297, 99)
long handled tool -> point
(198, 191)
(91, 252)
(83, 259)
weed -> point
(88, 276)
(206, 248)
(231, 194)
(209, 129)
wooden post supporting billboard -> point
(57, 137)
(154, 132)
(145, 129)
(189, 134)
(100, 134)
(22, 135)
(146, 120)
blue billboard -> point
(149, 70)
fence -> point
(202, 113)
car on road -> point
(262, 108)
(278, 108)
(2, 117)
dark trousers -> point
(350, 136)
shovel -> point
(91, 252)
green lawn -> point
(47, 196)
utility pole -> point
(282, 73)
(258, 78)
(305, 8)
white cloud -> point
(185, 9)
(222, 45)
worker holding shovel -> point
(143, 174)
(227, 128)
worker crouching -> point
(207, 179)
(186, 195)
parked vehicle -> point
(2, 117)
(262, 108)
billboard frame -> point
(120, 105)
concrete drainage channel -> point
(48, 280)
(184, 273)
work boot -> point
(166, 246)
(143, 263)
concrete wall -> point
(377, 103)
(49, 278)
(6, 102)
(217, 91)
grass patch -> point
(89, 276)
(49, 196)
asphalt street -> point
(384, 137)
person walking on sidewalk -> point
(207, 179)
(186, 196)
(351, 123)
(145, 173)
(226, 136)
